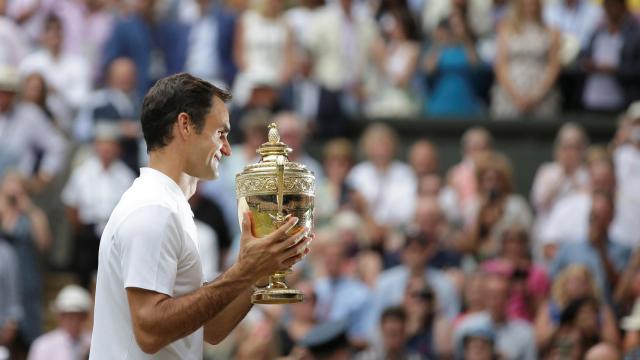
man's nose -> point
(226, 148)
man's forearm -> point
(175, 318)
(216, 329)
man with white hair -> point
(70, 340)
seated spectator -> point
(91, 194)
(527, 65)
(117, 103)
(450, 64)
(423, 158)
(473, 296)
(26, 227)
(382, 180)
(565, 176)
(340, 296)
(627, 166)
(604, 258)
(428, 331)
(529, 282)
(68, 74)
(335, 194)
(264, 53)
(396, 61)
(392, 283)
(36, 91)
(573, 283)
(569, 220)
(460, 192)
(394, 338)
(514, 338)
(294, 133)
(565, 343)
(302, 320)
(496, 207)
(70, 340)
(11, 311)
(479, 344)
(611, 60)
(574, 18)
(20, 140)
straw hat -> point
(632, 322)
(9, 80)
(72, 299)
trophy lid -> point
(261, 178)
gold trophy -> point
(273, 190)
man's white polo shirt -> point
(149, 243)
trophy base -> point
(277, 296)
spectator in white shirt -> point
(566, 175)
(389, 186)
(93, 190)
(67, 74)
(69, 340)
(25, 130)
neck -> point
(168, 162)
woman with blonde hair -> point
(527, 65)
(574, 282)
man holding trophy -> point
(150, 295)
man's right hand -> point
(261, 257)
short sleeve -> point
(150, 245)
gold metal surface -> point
(273, 190)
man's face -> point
(209, 146)
(6, 98)
(393, 334)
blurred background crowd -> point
(459, 213)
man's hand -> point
(277, 251)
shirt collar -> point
(162, 178)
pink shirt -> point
(536, 284)
(58, 345)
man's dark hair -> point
(171, 96)
(395, 312)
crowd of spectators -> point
(411, 260)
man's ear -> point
(183, 125)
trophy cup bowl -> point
(273, 190)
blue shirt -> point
(585, 254)
(344, 299)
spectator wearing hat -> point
(26, 133)
(479, 344)
(92, 192)
(69, 340)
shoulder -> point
(28, 112)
